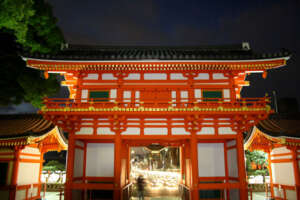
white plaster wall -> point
(155, 119)
(184, 96)
(291, 194)
(217, 76)
(206, 131)
(127, 96)
(20, 194)
(84, 95)
(277, 193)
(104, 131)
(91, 76)
(173, 94)
(113, 93)
(280, 150)
(202, 76)
(78, 163)
(108, 76)
(34, 191)
(31, 150)
(177, 76)
(179, 131)
(198, 93)
(155, 131)
(79, 143)
(226, 94)
(232, 163)
(231, 143)
(133, 76)
(30, 157)
(131, 131)
(28, 173)
(283, 173)
(100, 159)
(211, 159)
(226, 131)
(155, 76)
(281, 157)
(85, 131)
(137, 94)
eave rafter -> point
(262, 141)
(234, 65)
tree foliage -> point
(256, 163)
(31, 25)
(53, 166)
(19, 83)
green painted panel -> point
(210, 194)
(211, 95)
(104, 95)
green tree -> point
(15, 15)
(33, 24)
(259, 159)
(30, 25)
(54, 166)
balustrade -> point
(52, 103)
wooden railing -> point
(56, 103)
(282, 190)
(184, 192)
(27, 188)
(127, 192)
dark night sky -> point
(268, 25)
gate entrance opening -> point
(159, 166)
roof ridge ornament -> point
(64, 46)
(246, 46)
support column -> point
(270, 173)
(13, 189)
(40, 171)
(194, 162)
(85, 193)
(70, 166)
(296, 172)
(226, 169)
(182, 163)
(117, 170)
(241, 167)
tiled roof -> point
(277, 126)
(14, 126)
(225, 52)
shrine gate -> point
(185, 96)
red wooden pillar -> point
(226, 169)
(194, 162)
(182, 164)
(70, 166)
(40, 172)
(84, 180)
(117, 172)
(241, 167)
(187, 164)
(296, 172)
(13, 189)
